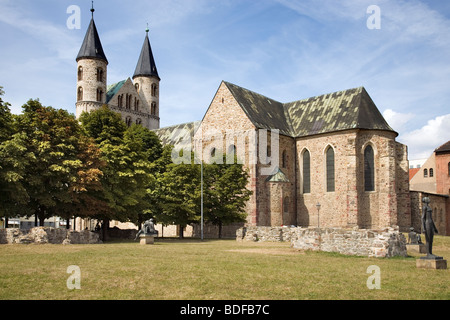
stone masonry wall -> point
(42, 235)
(360, 242)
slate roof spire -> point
(146, 66)
(92, 46)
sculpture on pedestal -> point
(429, 228)
(148, 229)
(414, 237)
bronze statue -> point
(148, 229)
(429, 228)
(414, 237)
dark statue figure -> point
(148, 229)
(429, 228)
(414, 237)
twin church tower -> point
(136, 99)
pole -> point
(201, 204)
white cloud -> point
(397, 120)
(423, 141)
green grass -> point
(211, 270)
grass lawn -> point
(211, 270)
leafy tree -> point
(14, 159)
(52, 136)
(128, 154)
(225, 194)
(179, 190)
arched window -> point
(431, 172)
(136, 104)
(425, 173)
(232, 149)
(80, 94)
(284, 159)
(120, 101)
(80, 73)
(154, 89)
(136, 85)
(213, 152)
(128, 121)
(99, 95)
(369, 169)
(128, 101)
(306, 172)
(153, 108)
(330, 169)
(286, 205)
(138, 121)
(100, 74)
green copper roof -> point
(178, 135)
(278, 176)
(343, 110)
(113, 89)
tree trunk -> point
(105, 228)
(6, 222)
(181, 232)
(41, 220)
(220, 230)
(67, 223)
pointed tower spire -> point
(92, 47)
(146, 66)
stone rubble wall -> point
(384, 243)
(42, 235)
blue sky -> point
(285, 49)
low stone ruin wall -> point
(42, 235)
(360, 242)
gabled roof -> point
(277, 176)
(178, 135)
(113, 89)
(91, 47)
(343, 110)
(264, 112)
(146, 65)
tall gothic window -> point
(153, 108)
(369, 169)
(286, 205)
(431, 173)
(284, 159)
(120, 101)
(128, 121)
(128, 101)
(154, 89)
(425, 173)
(306, 172)
(330, 169)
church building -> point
(136, 99)
(339, 164)
(338, 161)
